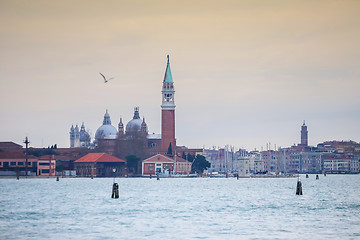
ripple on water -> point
(180, 208)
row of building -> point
(14, 160)
(329, 157)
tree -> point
(183, 155)
(60, 168)
(169, 152)
(200, 164)
(190, 157)
(132, 163)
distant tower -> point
(72, 136)
(77, 137)
(144, 129)
(168, 111)
(121, 129)
(304, 135)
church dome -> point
(106, 131)
(135, 125)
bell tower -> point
(304, 135)
(168, 111)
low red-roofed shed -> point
(99, 165)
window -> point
(20, 163)
(158, 164)
(12, 163)
(29, 163)
(43, 163)
(151, 167)
(0, 163)
(45, 171)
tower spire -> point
(168, 76)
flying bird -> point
(105, 79)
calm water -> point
(200, 208)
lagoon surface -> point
(173, 208)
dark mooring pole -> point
(26, 155)
(115, 190)
(299, 187)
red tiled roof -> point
(159, 158)
(98, 157)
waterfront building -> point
(341, 163)
(14, 162)
(160, 163)
(157, 164)
(99, 165)
(182, 166)
(256, 165)
(310, 162)
(270, 159)
(242, 166)
(46, 166)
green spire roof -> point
(168, 77)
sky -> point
(246, 73)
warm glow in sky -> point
(246, 72)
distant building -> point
(157, 164)
(99, 165)
(222, 160)
(256, 164)
(242, 166)
(79, 139)
(161, 163)
(46, 166)
(270, 159)
(12, 162)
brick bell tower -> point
(168, 111)
(304, 135)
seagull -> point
(105, 80)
